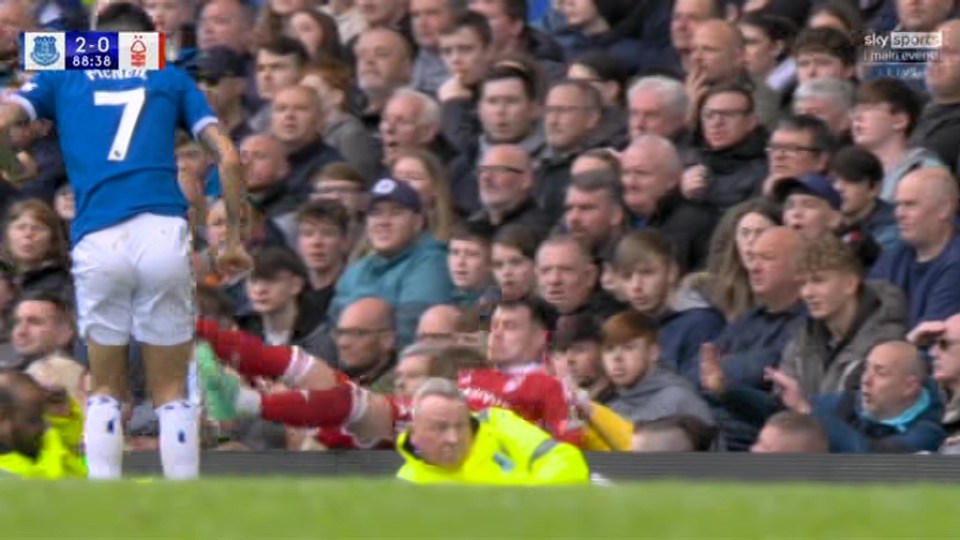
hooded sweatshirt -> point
(822, 367)
(658, 394)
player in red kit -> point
(352, 417)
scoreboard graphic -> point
(59, 51)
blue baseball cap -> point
(398, 191)
(817, 185)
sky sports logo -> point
(902, 47)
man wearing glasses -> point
(799, 146)
(506, 191)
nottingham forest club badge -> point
(45, 51)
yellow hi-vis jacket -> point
(506, 450)
(56, 461)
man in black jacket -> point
(651, 177)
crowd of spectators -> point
(740, 217)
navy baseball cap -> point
(398, 191)
(817, 185)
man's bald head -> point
(718, 51)
(438, 324)
(906, 357)
(926, 206)
(659, 150)
(772, 267)
(368, 312)
(509, 154)
(15, 17)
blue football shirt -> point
(117, 132)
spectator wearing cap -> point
(885, 114)
(506, 191)
(509, 109)
(513, 36)
(625, 30)
(926, 265)
(645, 390)
(719, 58)
(812, 207)
(571, 117)
(297, 123)
(799, 145)
(281, 311)
(221, 74)
(610, 79)
(857, 174)
(938, 128)
(651, 176)
(406, 267)
(650, 280)
(468, 257)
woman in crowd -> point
(318, 33)
(424, 172)
(35, 245)
(728, 284)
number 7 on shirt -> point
(132, 102)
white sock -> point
(103, 438)
(179, 439)
(301, 363)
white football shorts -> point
(136, 279)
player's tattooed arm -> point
(231, 177)
(11, 165)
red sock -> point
(249, 355)
(317, 408)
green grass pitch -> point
(288, 509)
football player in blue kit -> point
(131, 241)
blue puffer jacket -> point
(411, 281)
(851, 430)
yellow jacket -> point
(506, 450)
(56, 461)
(606, 431)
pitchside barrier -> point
(614, 466)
